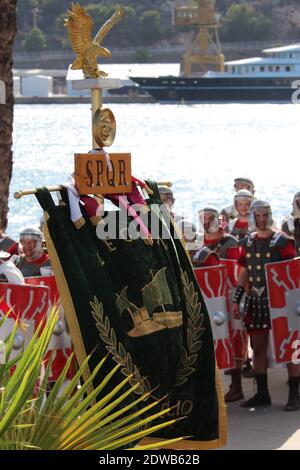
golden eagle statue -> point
(80, 25)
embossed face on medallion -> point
(104, 127)
(105, 124)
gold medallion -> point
(104, 127)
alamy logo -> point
(2, 92)
(296, 94)
(138, 221)
(296, 353)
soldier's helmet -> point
(214, 225)
(165, 190)
(32, 233)
(247, 183)
(296, 205)
(257, 207)
(167, 195)
(243, 194)
(188, 229)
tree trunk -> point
(8, 29)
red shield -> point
(283, 282)
(61, 340)
(213, 284)
(48, 281)
(29, 306)
(238, 332)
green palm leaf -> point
(74, 417)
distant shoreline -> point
(143, 99)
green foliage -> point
(147, 22)
(34, 41)
(150, 26)
(69, 417)
(142, 55)
(241, 23)
(124, 33)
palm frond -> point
(69, 416)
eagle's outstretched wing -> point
(80, 26)
(115, 18)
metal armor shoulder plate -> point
(279, 239)
(229, 241)
(201, 255)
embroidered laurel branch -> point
(117, 349)
(194, 331)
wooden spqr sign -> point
(96, 174)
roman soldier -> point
(230, 212)
(263, 245)
(167, 198)
(291, 225)
(224, 244)
(201, 256)
(238, 227)
(32, 257)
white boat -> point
(273, 77)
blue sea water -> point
(199, 148)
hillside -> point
(148, 22)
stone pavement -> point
(263, 428)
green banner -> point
(140, 302)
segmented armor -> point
(260, 251)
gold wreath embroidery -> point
(194, 331)
(117, 349)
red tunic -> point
(242, 224)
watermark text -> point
(296, 94)
(296, 353)
(2, 92)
